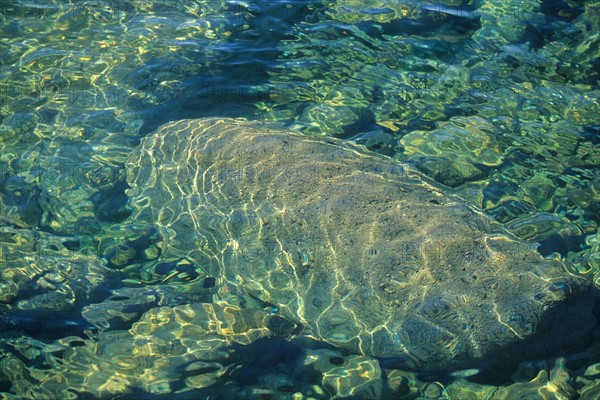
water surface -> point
(497, 100)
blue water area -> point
(496, 101)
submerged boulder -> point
(365, 253)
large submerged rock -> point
(367, 254)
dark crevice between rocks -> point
(562, 245)
(110, 205)
(16, 194)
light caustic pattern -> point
(365, 253)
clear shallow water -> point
(499, 103)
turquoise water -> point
(497, 100)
